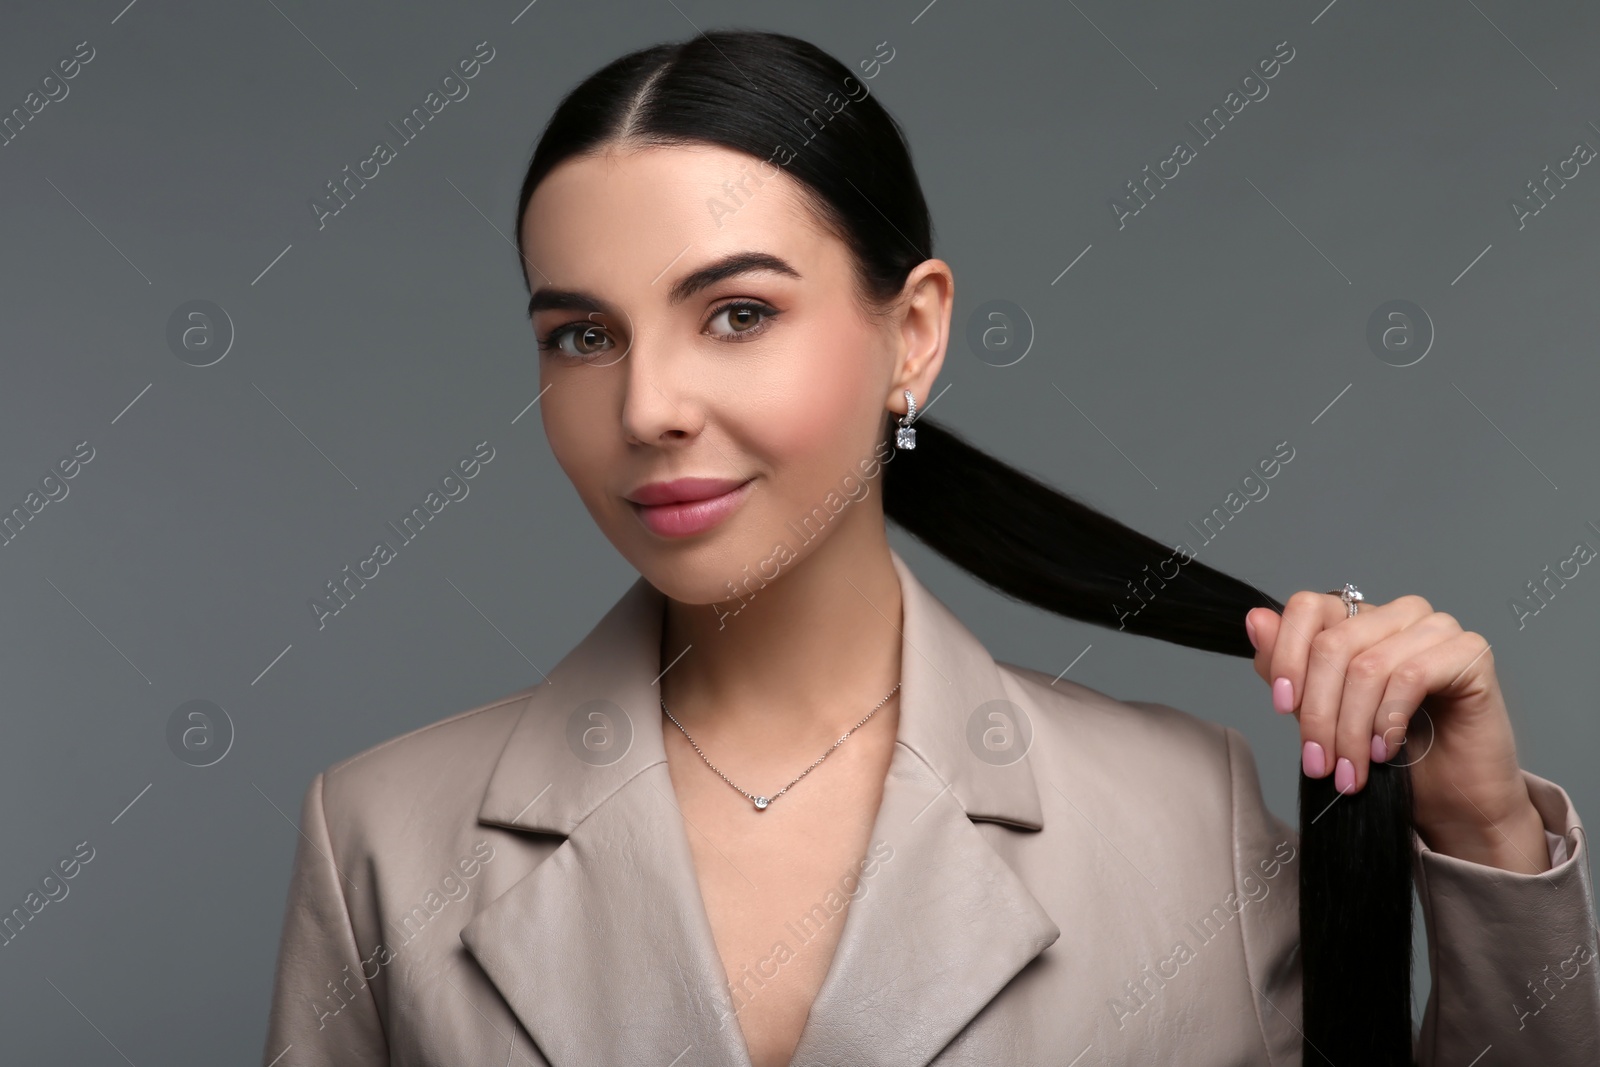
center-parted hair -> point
(786, 103)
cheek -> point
(579, 440)
(820, 413)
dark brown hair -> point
(752, 91)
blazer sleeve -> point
(1266, 872)
(1514, 960)
(1516, 968)
(323, 1013)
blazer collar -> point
(561, 760)
(612, 926)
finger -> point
(1305, 614)
(1411, 680)
(1356, 742)
(1263, 625)
(1328, 682)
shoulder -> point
(1149, 758)
(1146, 737)
(435, 772)
(1144, 758)
(1188, 788)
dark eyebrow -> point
(727, 267)
(548, 299)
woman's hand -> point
(1358, 684)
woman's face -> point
(767, 382)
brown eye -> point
(744, 319)
(587, 339)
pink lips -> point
(687, 506)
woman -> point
(780, 806)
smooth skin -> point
(648, 388)
(1356, 684)
(648, 379)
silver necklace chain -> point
(761, 802)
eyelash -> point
(551, 342)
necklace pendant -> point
(761, 803)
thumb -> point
(1263, 624)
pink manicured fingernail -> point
(1312, 758)
(1283, 696)
(1250, 631)
(1380, 750)
(1344, 776)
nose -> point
(659, 405)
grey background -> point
(1173, 355)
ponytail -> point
(750, 90)
(1039, 545)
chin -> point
(700, 585)
(726, 566)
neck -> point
(798, 661)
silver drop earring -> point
(905, 436)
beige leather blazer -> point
(1055, 877)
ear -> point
(922, 329)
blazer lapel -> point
(604, 951)
(944, 922)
